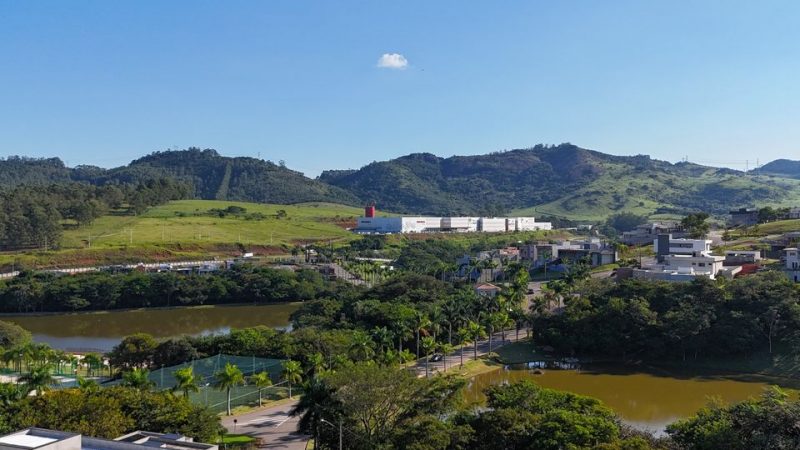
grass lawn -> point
(237, 439)
(472, 368)
(184, 230)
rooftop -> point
(43, 439)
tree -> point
(463, 336)
(38, 379)
(476, 332)
(292, 373)
(185, 381)
(695, 224)
(138, 379)
(227, 379)
(262, 381)
(93, 362)
(421, 322)
(134, 351)
(87, 385)
(13, 335)
(428, 345)
(311, 407)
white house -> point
(665, 244)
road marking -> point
(272, 421)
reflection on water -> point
(647, 399)
(102, 331)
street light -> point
(334, 426)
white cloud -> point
(392, 61)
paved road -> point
(454, 359)
(272, 425)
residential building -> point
(741, 257)
(665, 244)
(43, 439)
(743, 217)
(686, 268)
(645, 233)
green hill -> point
(782, 168)
(194, 229)
(563, 180)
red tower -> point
(369, 211)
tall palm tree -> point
(262, 381)
(185, 381)
(39, 379)
(138, 379)
(311, 407)
(462, 337)
(292, 373)
(227, 379)
(445, 349)
(476, 332)
(421, 322)
(428, 344)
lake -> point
(103, 330)
(647, 399)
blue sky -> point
(104, 82)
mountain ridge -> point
(564, 180)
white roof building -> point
(43, 439)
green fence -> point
(215, 399)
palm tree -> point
(361, 345)
(462, 337)
(292, 373)
(262, 380)
(383, 337)
(428, 344)
(38, 379)
(185, 381)
(227, 379)
(421, 322)
(445, 349)
(476, 332)
(316, 364)
(138, 379)
(92, 361)
(311, 407)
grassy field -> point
(186, 230)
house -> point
(743, 217)
(645, 233)
(665, 244)
(792, 263)
(487, 290)
(794, 213)
(686, 268)
(741, 257)
(43, 439)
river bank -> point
(102, 330)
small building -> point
(743, 217)
(487, 290)
(791, 260)
(686, 268)
(741, 257)
(43, 439)
(645, 233)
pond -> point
(100, 331)
(646, 398)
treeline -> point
(650, 320)
(33, 216)
(45, 292)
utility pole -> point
(340, 434)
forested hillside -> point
(782, 167)
(562, 180)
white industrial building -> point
(420, 224)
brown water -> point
(103, 330)
(647, 400)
